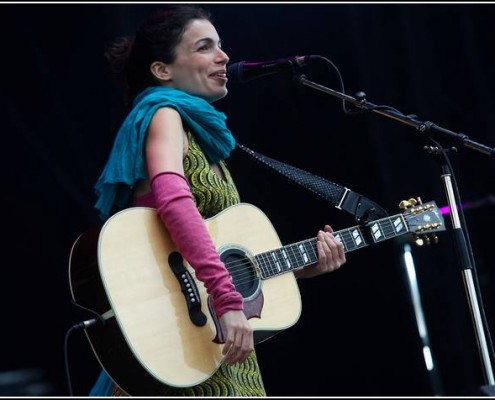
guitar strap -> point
(341, 197)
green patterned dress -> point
(213, 194)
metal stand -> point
(461, 242)
(467, 275)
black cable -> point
(98, 321)
(88, 323)
(66, 359)
(360, 111)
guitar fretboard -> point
(300, 254)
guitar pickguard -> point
(246, 281)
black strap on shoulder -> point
(341, 197)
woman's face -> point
(200, 65)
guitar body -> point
(122, 270)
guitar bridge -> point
(188, 288)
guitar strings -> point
(297, 260)
(268, 265)
(271, 263)
(283, 265)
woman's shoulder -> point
(167, 111)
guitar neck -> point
(300, 254)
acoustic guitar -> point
(159, 328)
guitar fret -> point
(282, 259)
(357, 237)
(264, 264)
(276, 262)
(295, 259)
(352, 238)
(399, 224)
(376, 231)
(386, 228)
(286, 259)
(351, 244)
(310, 246)
(300, 254)
(273, 262)
(302, 250)
(338, 236)
(307, 252)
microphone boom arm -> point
(423, 127)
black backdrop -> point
(357, 335)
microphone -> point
(245, 71)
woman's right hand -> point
(239, 342)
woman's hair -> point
(156, 39)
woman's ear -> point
(160, 71)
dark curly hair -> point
(156, 39)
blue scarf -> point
(126, 164)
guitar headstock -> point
(424, 220)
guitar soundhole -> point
(242, 270)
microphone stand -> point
(462, 244)
(422, 126)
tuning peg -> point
(434, 238)
(404, 204)
(419, 241)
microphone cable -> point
(361, 96)
(98, 321)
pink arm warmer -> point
(187, 229)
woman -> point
(170, 154)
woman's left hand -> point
(331, 255)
